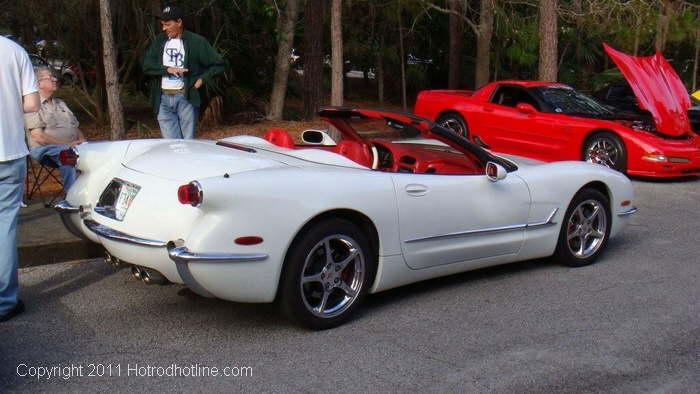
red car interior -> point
(280, 137)
(392, 156)
(425, 159)
(355, 151)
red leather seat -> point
(279, 137)
(355, 151)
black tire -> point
(344, 287)
(585, 232)
(454, 122)
(607, 149)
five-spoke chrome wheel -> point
(455, 123)
(603, 152)
(586, 229)
(333, 275)
(605, 149)
(327, 272)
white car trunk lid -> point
(184, 161)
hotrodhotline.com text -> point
(99, 370)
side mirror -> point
(495, 172)
(317, 137)
(525, 108)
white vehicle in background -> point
(316, 226)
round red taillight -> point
(190, 193)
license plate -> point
(126, 197)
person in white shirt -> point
(178, 63)
(18, 95)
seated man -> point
(54, 128)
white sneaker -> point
(22, 204)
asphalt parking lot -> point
(630, 323)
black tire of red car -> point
(607, 149)
(455, 122)
(585, 229)
(311, 274)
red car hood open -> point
(658, 89)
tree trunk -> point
(380, 71)
(483, 43)
(313, 58)
(637, 33)
(548, 40)
(578, 11)
(116, 113)
(402, 61)
(455, 49)
(695, 61)
(284, 49)
(337, 52)
(664, 19)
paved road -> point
(630, 323)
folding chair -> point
(38, 173)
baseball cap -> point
(171, 13)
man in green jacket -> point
(179, 63)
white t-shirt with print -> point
(173, 56)
(16, 80)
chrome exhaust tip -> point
(111, 260)
(136, 272)
(152, 277)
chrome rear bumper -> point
(178, 253)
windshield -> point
(566, 100)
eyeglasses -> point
(53, 79)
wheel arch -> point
(594, 132)
(596, 185)
(362, 221)
(450, 111)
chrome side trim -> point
(64, 206)
(628, 212)
(182, 255)
(470, 232)
(109, 233)
(548, 222)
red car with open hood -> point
(551, 121)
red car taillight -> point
(190, 193)
(68, 157)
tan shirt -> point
(55, 118)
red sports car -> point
(551, 121)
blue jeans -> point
(52, 151)
(12, 175)
(177, 117)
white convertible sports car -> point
(316, 226)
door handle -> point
(487, 109)
(416, 190)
